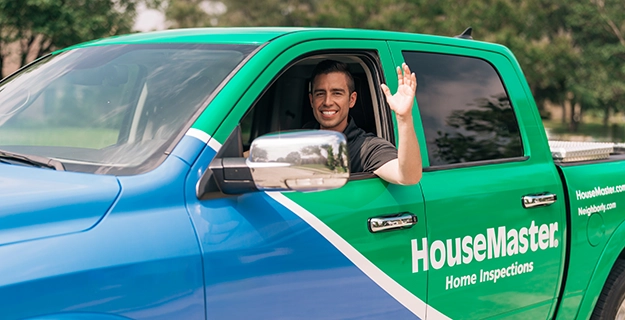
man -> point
(333, 94)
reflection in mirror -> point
(301, 160)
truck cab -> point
(170, 175)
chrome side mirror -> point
(301, 160)
(298, 160)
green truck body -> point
(480, 247)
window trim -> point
(474, 164)
(523, 157)
(373, 68)
(383, 115)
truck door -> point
(486, 253)
(306, 255)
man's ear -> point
(352, 99)
(310, 99)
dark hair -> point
(329, 66)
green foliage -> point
(40, 26)
(65, 22)
(572, 51)
(598, 28)
(187, 14)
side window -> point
(465, 109)
(285, 105)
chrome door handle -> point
(392, 222)
(538, 200)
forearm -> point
(407, 168)
(409, 154)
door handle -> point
(538, 200)
(392, 222)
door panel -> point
(485, 254)
(298, 255)
(475, 207)
(307, 255)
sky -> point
(149, 19)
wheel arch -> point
(614, 249)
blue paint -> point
(141, 261)
(129, 249)
(79, 316)
(188, 149)
(37, 203)
(261, 261)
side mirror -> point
(301, 160)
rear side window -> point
(465, 109)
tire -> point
(611, 300)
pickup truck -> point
(166, 175)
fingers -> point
(386, 90)
(407, 78)
(406, 69)
(404, 76)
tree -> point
(204, 13)
(31, 28)
(598, 27)
(571, 51)
(187, 14)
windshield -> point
(111, 109)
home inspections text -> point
(498, 242)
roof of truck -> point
(260, 35)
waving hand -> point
(401, 102)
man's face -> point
(331, 100)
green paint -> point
(458, 202)
(348, 216)
(593, 261)
(595, 229)
(206, 35)
(450, 203)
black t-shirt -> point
(367, 152)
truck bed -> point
(567, 153)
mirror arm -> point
(232, 175)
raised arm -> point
(407, 168)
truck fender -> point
(79, 316)
(611, 252)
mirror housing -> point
(310, 160)
(300, 160)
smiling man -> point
(333, 94)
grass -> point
(94, 138)
(589, 130)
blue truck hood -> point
(36, 203)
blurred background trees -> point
(572, 51)
(31, 28)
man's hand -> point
(407, 168)
(401, 102)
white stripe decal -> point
(205, 138)
(403, 296)
(199, 134)
(394, 289)
(213, 143)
